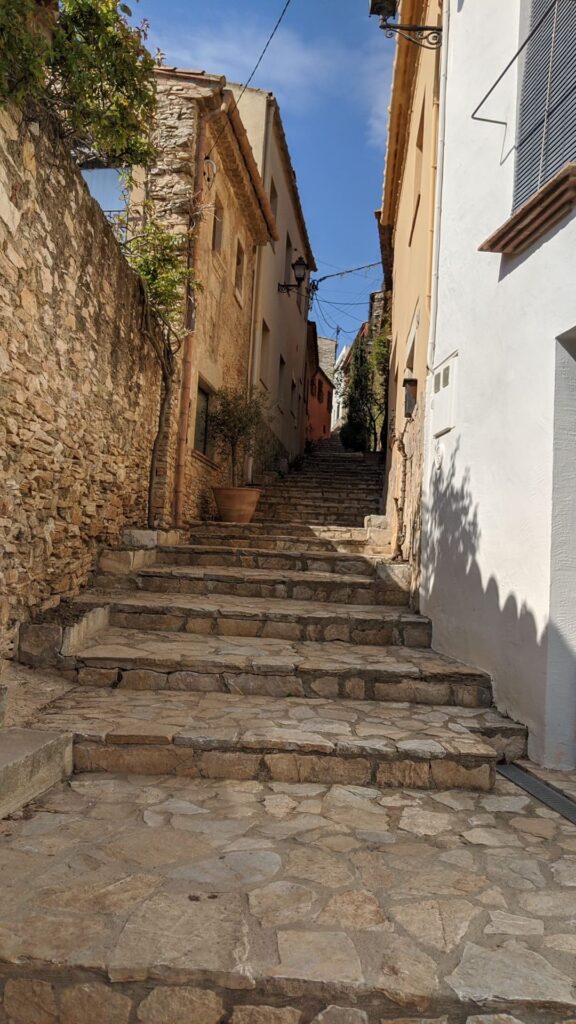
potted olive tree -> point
(235, 422)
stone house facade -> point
(206, 182)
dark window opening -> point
(201, 431)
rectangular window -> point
(281, 381)
(288, 261)
(239, 275)
(273, 198)
(217, 226)
(265, 354)
(546, 138)
(320, 390)
(293, 397)
(201, 438)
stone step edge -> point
(211, 759)
(147, 673)
(34, 762)
(119, 992)
(390, 574)
(294, 553)
(337, 624)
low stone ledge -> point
(123, 561)
(134, 538)
(48, 643)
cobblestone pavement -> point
(328, 895)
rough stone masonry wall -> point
(80, 385)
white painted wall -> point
(489, 564)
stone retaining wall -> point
(79, 387)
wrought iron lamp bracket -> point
(427, 37)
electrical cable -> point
(254, 70)
(342, 273)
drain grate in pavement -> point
(541, 791)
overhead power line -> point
(314, 285)
(254, 69)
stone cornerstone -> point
(80, 385)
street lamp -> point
(300, 269)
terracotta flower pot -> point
(236, 504)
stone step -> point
(318, 504)
(313, 489)
(285, 515)
(274, 529)
(390, 586)
(342, 564)
(138, 659)
(228, 615)
(278, 542)
(276, 903)
(30, 763)
(215, 735)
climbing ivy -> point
(159, 256)
(83, 60)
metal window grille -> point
(547, 121)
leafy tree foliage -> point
(235, 419)
(159, 256)
(83, 60)
(366, 392)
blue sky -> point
(329, 66)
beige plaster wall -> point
(412, 212)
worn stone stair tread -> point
(232, 539)
(212, 895)
(287, 739)
(279, 576)
(272, 526)
(267, 654)
(30, 762)
(293, 554)
(230, 605)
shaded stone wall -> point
(80, 385)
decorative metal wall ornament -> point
(428, 37)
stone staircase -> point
(298, 662)
(284, 809)
(333, 487)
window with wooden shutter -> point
(547, 120)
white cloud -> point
(294, 69)
(302, 73)
(375, 72)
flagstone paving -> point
(294, 896)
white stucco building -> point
(499, 492)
